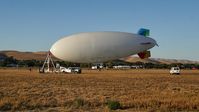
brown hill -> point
(137, 59)
(170, 61)
(159, 60)
(42, 55)
(25, 55)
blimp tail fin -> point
(144, 32)
(144, 54)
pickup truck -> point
(70, 70)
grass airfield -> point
(136, 90)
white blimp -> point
(97, 47)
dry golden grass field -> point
(135, 90)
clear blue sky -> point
(34, 25)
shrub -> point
(113, 105)
(6, 107)
(79, 102)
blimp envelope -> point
(95, 47)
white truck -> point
(175, 70)
(70, 70)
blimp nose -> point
(53, 50)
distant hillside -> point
(159, 60)
(132, 59)
(169, 61)
(42, 55)
(24, 55)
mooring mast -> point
(49, 64)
